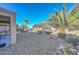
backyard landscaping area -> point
(56, 35)
(40, 44)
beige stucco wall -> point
(12, 22)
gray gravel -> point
(33, 44)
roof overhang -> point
(4, 20)
(6, 10)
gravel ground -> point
(33, 44)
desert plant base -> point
(62, 35)
(48, 33)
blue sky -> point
(34, 12)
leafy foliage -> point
(21, 27)
(26, 22)
(67, 19)
(73, 40)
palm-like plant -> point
(65, 20)
(26, 22)
(73, 16)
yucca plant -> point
(73, 16)
(65, 20)
(62, 22)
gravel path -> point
(33, 44)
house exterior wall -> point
(4, 28)
(12, 22)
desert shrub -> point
(47, 30)
(74, 40)
(67, 50)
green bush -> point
(73, 40)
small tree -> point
(26, 22)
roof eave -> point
(8, 11)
